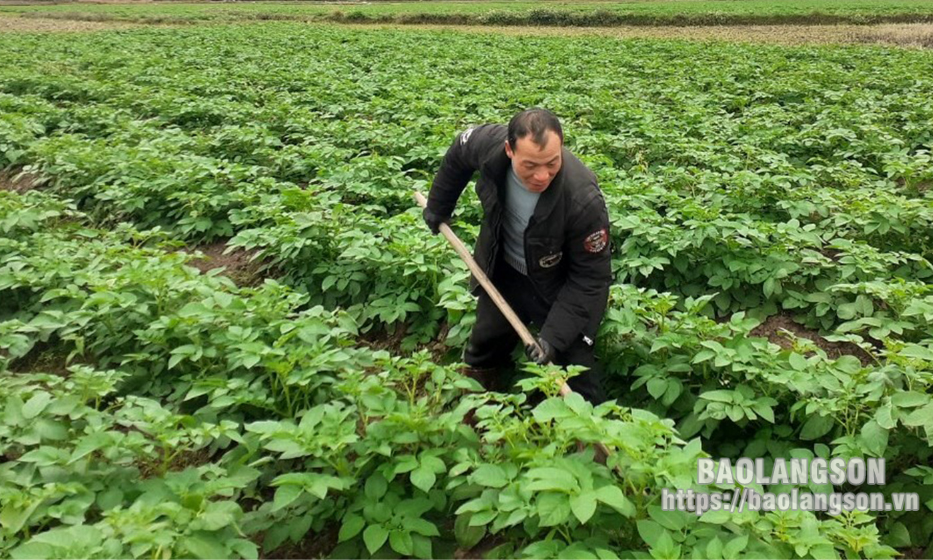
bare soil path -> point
(912, 35)
(12, 23)
(909, 35)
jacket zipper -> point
(531, 281)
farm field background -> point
(772, 230)
(643, 12)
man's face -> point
(536, 166)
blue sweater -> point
(519, 206)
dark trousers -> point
(493, 339)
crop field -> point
(555, 13)
(225, 330)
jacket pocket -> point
(545, 254)
(546, 261)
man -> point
(544, 243)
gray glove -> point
(542, 357)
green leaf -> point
(13, 518)
(714, 549)
(423, 478)
(672, 520)
(884, 417)
(36, 405)
(847, 311)
(657, 387)
(909, 399)
(467, 535)
(13, 411)
(665, 548)
(764, 411)
(550, 409)
(824, 552)
(550, 478)
(421, 526)
(204, 545)
(864, 305)
(433, 464)
(920, 417)
(736, 413)
(613, 497)
(918, 352)
(898, 536)
(718, 396)
(421, 547)
(483, 517)
(735, 546)
(816, 427)
(174, 360)
(110, 498)
(490, 475)
(553, 509)
(768, 287)
(218, 515)
(376, 486)
(703, 355)
(352, 525)
(583, 506)
(244, 549)
(89, 444)
(401, 542)
(284, 495)
(875, 438)
(541, 549)
(717, 517)
(405, 463)
(650, 532)
(798, 362)
(375, 536)
(33, 551)
(321, 484)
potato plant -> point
(771, 239)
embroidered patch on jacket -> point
(465, 136)
(550, 260)
(596, 241)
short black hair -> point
(535, 121)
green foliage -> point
(151, 410)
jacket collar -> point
(497, 165)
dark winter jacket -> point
(567, 239)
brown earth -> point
(10, 23)
(909, 35)
(46, 357)
(55, 2)
(488, 543)
(15, 179)
(915, 35)
(237, 263)
(772, 330)
(378, 339)
(438, 347)
(45, 362)
(917, 552)
(904, 35)
(186, 459)
(314, 545)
